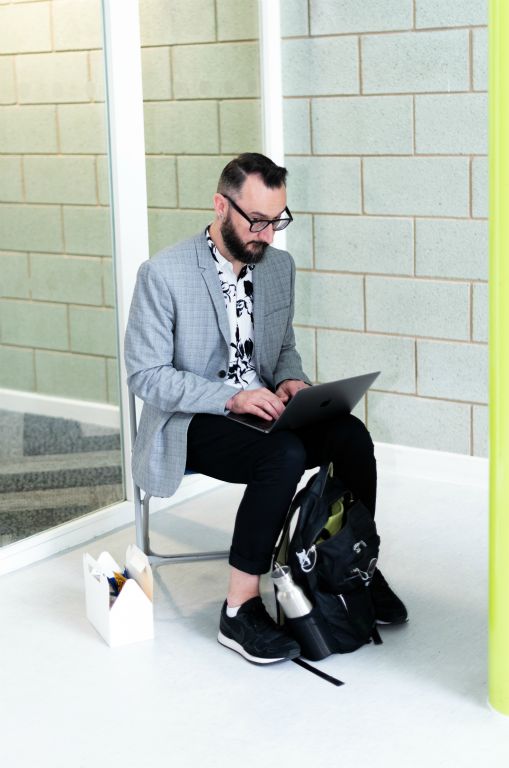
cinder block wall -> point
(200, 62)
(201, 90)
(385, 133)
(386, 140)
(57, 331)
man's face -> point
(258, 202)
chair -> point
(142, 514)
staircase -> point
(53, 470)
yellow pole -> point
(499, 356)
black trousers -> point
(271, 467)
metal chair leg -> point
(159, 559)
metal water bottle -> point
(291, 598)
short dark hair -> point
(236, 171)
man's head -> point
(251, 192)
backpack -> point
(330, 542)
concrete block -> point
(452, 248)
(306, 346)
(93, 331)
(450, 13)
(187, 127)
(480, 187)
(329, 301)
(82, 128)
(197, 180)
(364, 125)
(299, 240)
(108, 282)
(69, 375)
(297, 126)
(69, 280)
(112, 380)
(414, 62)
(342, 354)
(222, 71)
(156, 73)
(11, 183)
(364, 244)
(240, 126)
(161, 182)
(294, 18)
(52, 78)
(31, 228)
(103, 181)
(87, 231)
(320, 66)
(416, 186)
(8, 89)
(17, 132)
(337, 17)
(165, 23)
(452, 371)
(418, 307)
(455, 124)
(480, 315)
(324, 184)
(96, 85)
(169, 227)
(17, 369)
(25, 27)
(237, 20)
(15, 281)
(28, 324)
(480, 59)
(77, 24)
(480, 429)
(419, 422)
(60, 179)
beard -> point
(238, 249)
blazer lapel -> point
(209, 274)
(259, 288)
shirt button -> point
(221, 374)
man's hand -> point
(260, 402)
(288, 388)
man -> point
(210, 331)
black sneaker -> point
(256, 636)
(389, 609)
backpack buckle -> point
(307, 560)
(367, 575)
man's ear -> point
(220, 205)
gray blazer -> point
(177, 349)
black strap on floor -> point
(375, 634)
(318, 672)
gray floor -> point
(420, 699)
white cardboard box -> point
(131, 617)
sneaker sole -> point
(390, 623)
(234, 646)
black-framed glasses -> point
(258, 225)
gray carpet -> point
(53, 470)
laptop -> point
(313, 404)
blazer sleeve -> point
(289, 364)
(149, 347)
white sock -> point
(232, 612)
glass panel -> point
(60, 449)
